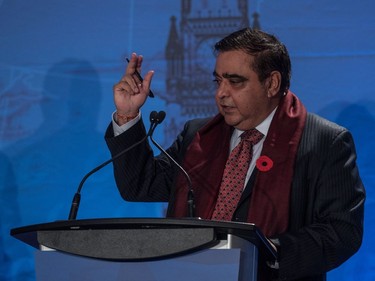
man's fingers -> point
(146, 84)
(129, 83)
(132, 64)
(132, 76)
(122, 86)
(139, 63)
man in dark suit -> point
(302, 187)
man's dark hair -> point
(269, 53)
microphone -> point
(155, 119)
(190, 200)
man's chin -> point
(231, 120)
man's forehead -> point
(233, 63)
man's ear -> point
(273, 84)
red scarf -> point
(206, 156)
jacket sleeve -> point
(139, 174)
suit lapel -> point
(244, 202)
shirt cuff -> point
(117, 130)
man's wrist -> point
(122, 119)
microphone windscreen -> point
(161, 116)
(153, 116)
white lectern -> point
(146, 249)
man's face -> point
(240, 97)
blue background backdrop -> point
(59, 60)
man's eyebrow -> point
(233, 75)
(230, 76)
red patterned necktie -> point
(234, 175)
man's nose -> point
(222, 90)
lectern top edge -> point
(29, 234)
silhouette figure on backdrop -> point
(50, 163)
(50, 168)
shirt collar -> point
(263, 127)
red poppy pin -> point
(264, 163)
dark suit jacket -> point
(327, 197)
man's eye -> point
(216, 81)
(236, 81)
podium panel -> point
(146, 249)
(204, 265)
